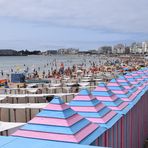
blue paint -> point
(93, 102)
(57, 129)
(56, 114)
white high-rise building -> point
(119, 48)
(145, 47)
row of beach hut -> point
(112, 115)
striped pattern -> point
(102, 92)
(58, 122)
(139, 78)
(94, 110)
(126, 84)
(134, 91)
(124, 94)
(134, 81)
(143, 76)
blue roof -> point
(67, 122)
(81, 102)
(12, 142)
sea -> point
(19, 64)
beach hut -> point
(133, 88)
(144, 76)
(134, 133)
(140, 78)
(58, 122)
(126, 84)
(135, 82)
(95, 111)
(58, 125)
(104, 94)
(123, 93)
(129, 118)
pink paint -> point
(99, 88)
(55, 121)
(102, 98)
(144, 76)
(127, 87)
(134, 82)
(121, 81)
(141, 87)
(128, 76)
(104, 119)
(46, 136)
(56, 107)
(139, 72)
(88, 109)
(120, 107)
(139, 79)
(97, 142)
(120, 92)
(126, 99)
(113, 84)
(58, 137)
(84, 98)
(135, 74)
(86, 131)
(132, 97)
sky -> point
(83, 24)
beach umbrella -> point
(58, 122)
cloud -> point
(115, 15)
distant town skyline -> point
(83, 24)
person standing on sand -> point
(43, 74)
(61, 68)
(2, 73)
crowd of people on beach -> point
(58, 69)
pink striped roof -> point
(128, 76)
(113, 84)
(101, 113)
(56, 121)
(120, 80)
(104, 119)
(99, 88)
(120, 91)
(83, 98)
(120, 107)
(58, 137)
(56, 107)
(88, 109)
(65, 119)
(104, 98)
